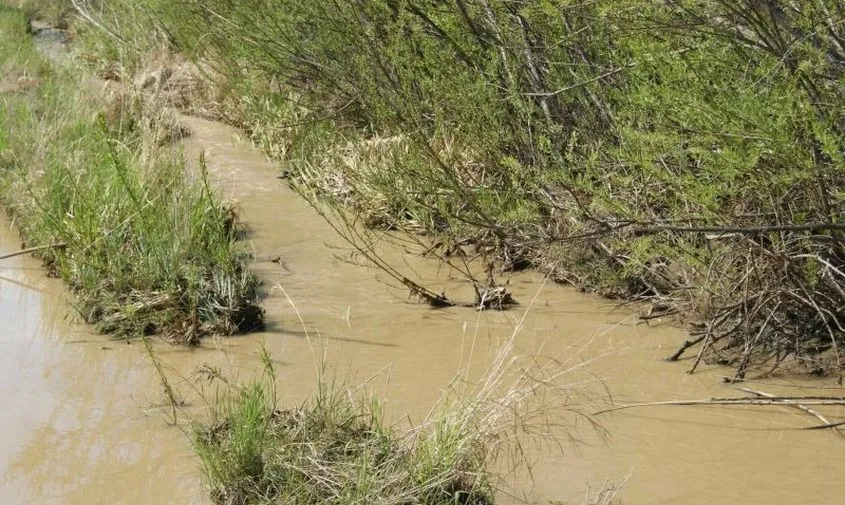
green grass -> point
(332, 450)
(148, 247)
(339, 447)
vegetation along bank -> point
(685, 153)
(91, 182)
(688, 154)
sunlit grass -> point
(146, 246)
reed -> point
(148, 246)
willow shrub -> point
(687, 152)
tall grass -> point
(146, 245)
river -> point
(82, 420)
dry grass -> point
(338, 448)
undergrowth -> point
(685, 153)
(146, 246)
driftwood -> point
(34, 249)
(759, 398)
(745, 400)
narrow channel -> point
(82, 421)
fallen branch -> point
(60, 245)
(776, 400)
(827, 424)
(686, 345)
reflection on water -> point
(76, 426)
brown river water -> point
(81, 422)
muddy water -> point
(673, 455)
(80, 423)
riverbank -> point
(690, 168)
(409, 356)
(74, 400)
(441, 461)
(92, 182)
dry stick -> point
(777, 400)
(649, 317)
(812, 303)
(34, 249)
(827, 424)
(743, 366)
(707, 337)
(686, 345)
(692, 341)
(708, 340)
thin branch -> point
(799, 406)
(777, 400)
(60, 245)
(582, 83)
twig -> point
(686, 345)
(750, 229)
(582, 83)
(777, 400)
(649, 317)
(59, 245)
(82, 7)
(707, 340)
(827, 424)
(643, 228)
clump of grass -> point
(333, 448)
(337, 447)
(148, 246)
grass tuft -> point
(338, 447)
(148, 247)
